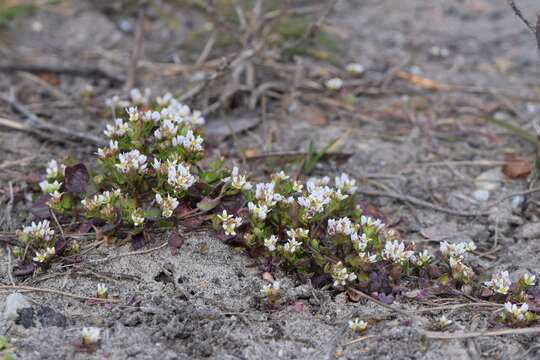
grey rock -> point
(15, 302)
(529, 231)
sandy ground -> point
(205, 301)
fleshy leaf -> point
(75, 178)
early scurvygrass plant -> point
(149, 178)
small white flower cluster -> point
(341, 275)
(101, 201)
(106, 152)
(293, 245)
(132, 161)
(51, 185)
(457, 251)
(90, 335)
(179, 176)
(39, 232)
(334, 84)
(395, 251)
(345, 184)
(423, 258)
(190, 142)
(167, 204)
(46, 254)
(355, 68)
(270, 242)
(102, 291)
(137, 217)
(444, 321)
(500, 283)
(271, 291)
(517, 312)
(342, 226)
(238, 181)
(119, 129)
(258, 211)
(229, 223)
(318, 195)
(528, 279)
(55, 171)
(358, 325)
(370, 222)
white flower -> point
(133, 113)
(132, 160)
(264, 192)
(470, 246)
(44, 255)
(91, 335)
(179, 177)
(259, 211)
(334, 84)
(358, 325)
(101, 291)
(229, 223)
(342, 226)
(370, 222)
(167, 130)
(271, 242)
(280, 176)
(50, 187)
(167, 204)
(355, 68)
(165, 99)
(137, 217)
(341, 275)
(395, 251)
(151, 116)
(40, 231)
(500, 283)
(195, 119)
(291, 246)
(53, 170)
(318, 196)
(457, 251)
(237, 180)
(271, 291)
(189, 141)
(345, 184)
(528, 279)
(297, 233)
(518, 313)
(423, 258)
(444, 322)
(297, 186)
(118, 129)
(108, 151)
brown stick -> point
(475, 334)
(54, 291)
(137, 49)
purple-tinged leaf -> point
(175, 242)
(60, 245)
(85, 227)
(207, 204)
(485, 292)
(320, 280)
(40, 209)
(138, 241)
(386, 299)
(75, 178)
(24, 269)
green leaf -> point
(313, 157)
(4, 344)
(66, 202)
(152, 213)
(207, 204)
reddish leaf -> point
(24, 269)
(297, 307)
(175, 242)
(75, 178)
(517, 167)
(39, 207)
(138, 241)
